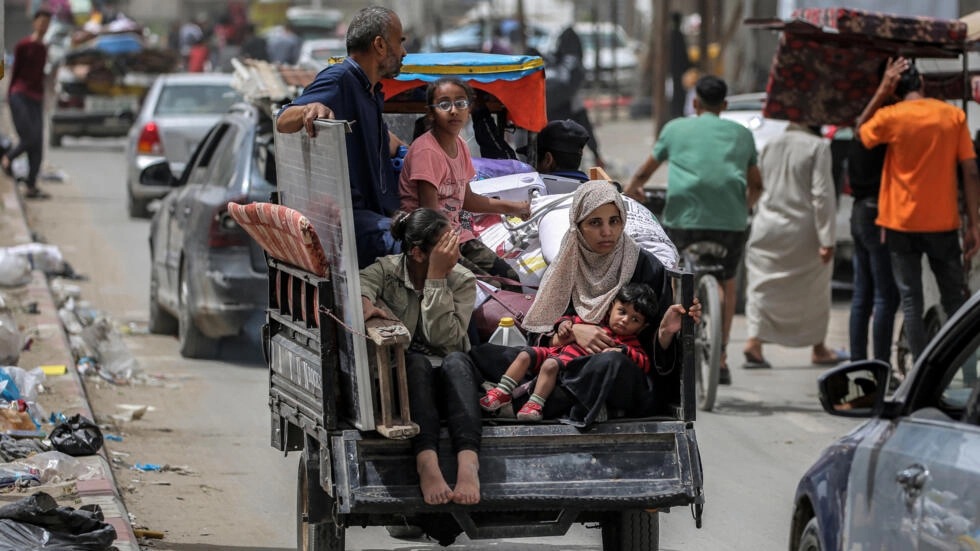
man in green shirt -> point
(712, 182)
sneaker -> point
(494, 400)
(724, 376)
(35, 193)
(531, 411)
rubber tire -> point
(161, 321)
(193, 343)
(322, 536)
(54, 140)
(136, 207)
(708, 342)
(632, 530)
(810, 538)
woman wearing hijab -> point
(596, 259)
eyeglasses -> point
(446, 105)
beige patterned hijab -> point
(588, 279)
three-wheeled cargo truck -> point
(336, 396)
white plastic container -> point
(508, 334)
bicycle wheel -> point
(707, 342)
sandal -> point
(835, 358)
(755, 363)
(724, 374)
(494, 400)
(531, 411)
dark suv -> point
(207, 276)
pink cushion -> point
(285, 234)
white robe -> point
(788, 299)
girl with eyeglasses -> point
(437, 171)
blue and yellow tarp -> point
(517, 81)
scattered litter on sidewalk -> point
(133, 328)
(15, 448)
(115, 362)
(130, 412)
(37, 522)
(15, 270)
(156, 467)
(114, 437)
(77, 436)
(11, 339)
(54, 370)
(148, 534)
(54, 467)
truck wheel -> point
(161, 322)
(193, 343)
(318, 536)
(810, 539)
(634, 530)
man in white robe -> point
(789, 254)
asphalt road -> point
(212, 416)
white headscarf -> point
(588, 279)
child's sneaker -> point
(531, 411)
(494, 400)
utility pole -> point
(614, 16)
(704, 10)
(521, 45)
(661, 11)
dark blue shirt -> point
(346, 90)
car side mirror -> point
(855, 389)
(158, 174)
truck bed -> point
(613, 465)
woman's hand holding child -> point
(592, 338)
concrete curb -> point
(101, 490)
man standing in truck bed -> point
(352, 91)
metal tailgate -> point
(614, 465)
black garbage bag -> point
(77, 436)
(38, 523)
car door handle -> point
(913, 478)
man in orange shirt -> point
(917, 203)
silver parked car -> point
(178, 111)
(207, 276)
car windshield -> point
(196, 99)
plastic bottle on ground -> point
(508, 334)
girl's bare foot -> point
(467, 490)
(435, 491)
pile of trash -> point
(38, 449)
